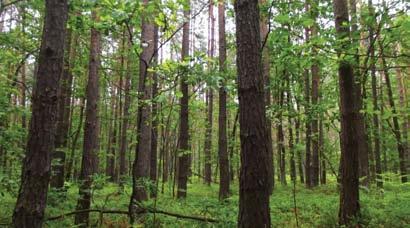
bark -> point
(254, 177)
(35, 175)
(290, 130)
(349, 195)
(183, 147)
(308, 131)
(141, 166)
(222, 137)
(89, 164)
(322, 154)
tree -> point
(141, 165)
(254, 184)
(349, 192)
(183, 147)
(89, 163)
(35, 175)
(222, 137)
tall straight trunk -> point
(308, 131)
(281, 142)
(89, 164)
(63, 99)
(183, 147)
(349, 192)
(322, 154)
(209, 101)
(35, 175)
(71, 158)
(401, 148)
(254, 188)
(141, 165)
(222, 138)
(266, 76)
(232, 145)
(23, 96)
(126, 112)
(406, 117)
(364, 171)
(109, 169)
(314, 172)
(155, 107)
(375, 117)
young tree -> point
(35, 175)
(89, 163)
(254, 184)
(349, 192)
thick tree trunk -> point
(89, 164)
(183, 147)
(222, 137)
(141, 166)
(349, 195)
(254, 178)
(31, 200)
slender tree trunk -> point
(155, 107)
(254, 177)
(299, 152)
(222, 138)
(266, 76)
(375, 117)
(35, 175)
(209, 101)
(349, 195)
(290, 129)
(141, 166)
(71, 158)
(89, 164)
(322, 154)
(126, 113)
(396, 127)
(183, 147)
(308, 124)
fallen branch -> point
(142, 211)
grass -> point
(388, 207)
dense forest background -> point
(191, 113)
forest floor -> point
(389, 207)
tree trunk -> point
(266, 76)
(155, 106)
(401, 148)
(126, 113)
(209, 101)
(183, 147)
(141, 166)
(222, 138)
(254, 177)
(349, 195)
(35, 175)
(299, 152)
(89, 164)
